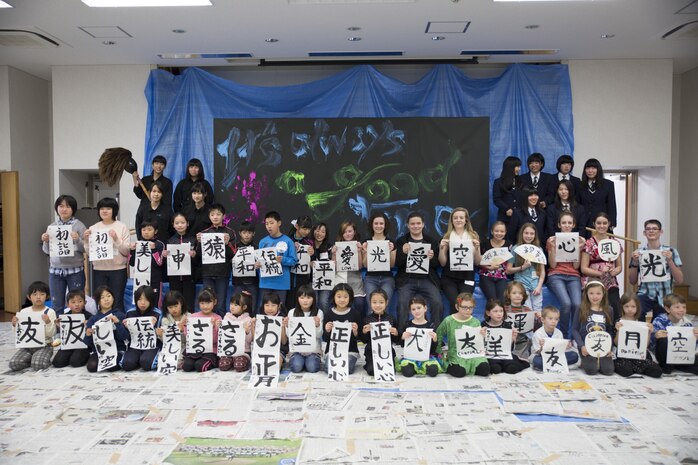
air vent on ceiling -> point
(690, 9)
(480, 53)
(687, 30)
(24, 38)
(105, 32)
(355, 54)
(447, 27)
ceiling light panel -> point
(143, 3)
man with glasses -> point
(652, 293)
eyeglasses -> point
(461, 307)
(652, 229)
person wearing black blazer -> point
(597, 195)
(506, 189)
(565, 165)
(529, 211)
(544, 183)
(566, 201)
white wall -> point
(96, 107)
(622, 116)
(688, 187)
(4, 118)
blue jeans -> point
(116, 281)
(323, 301)
(220, 285)
(568, 290)
(371, 283)
(493, 288)
(59, 284)
(648, 305)
(426, 289)
(311, 362)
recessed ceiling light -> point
(438, 38)
(354, 39)
(532, 26)
(144, 3)
(108, 42)
(607, 36)
(179, 31)
(353, 28)
(5, 5)
(271, 40)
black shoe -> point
(432, 370)
(408, 371)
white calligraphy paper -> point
(347, 256)
(142, 333)
(469, 342)
(60, 242)
(598, 343)
(532, 253)
(270, 266)
(178, 260)
(418, 346)
(303, 264)
(523, 322)
(653, 267)
(461, 255)
(168, 358)
(244, 262)
(212, 248)
(103, 338)
(681, 345)
(301, 335)
(231, 339)
(338, 354)
(266, 348)
(498, 343)
(323, 275)
(30, 332)
(553, 354)
(72, 331)
(378, 256)
(382, 349)
(199, 335)
(632, 340)
(101, 245)
(567, 247)
(609, 250)
(496, 256)
(417, 258)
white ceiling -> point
(301, 26)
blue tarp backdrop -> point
(529, 106)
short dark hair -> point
(379, 292)
(157, 184)
(69, 199)
(74, 294)
(273, 215)
(159, 159)
(173, 298)
(97, 294)
(152, 224)
(149, 294)
(415, 214)
(535, 156)
(109, 202)
(371, 219)
(246, 226)
(342, 287)
(217, 206)
(564, 159)
(653, 221)
(199, 187)
(38, 286)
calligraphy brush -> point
(113, 162)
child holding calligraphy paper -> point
(73, 357)
(271, 306)
(239, 312)
(495, 317)
(106, 310)
(378, 229)
(155, 248)
(630, 309)
(675, 315)
(306, 306)
(348, 233)
(65, 271)
(595, 267)
(146, 307)
(551, 317)
(207, 360)
(493, 278)
(379, 312)
(300, 235)
(514, 299)
(186, 284)
(530, 275)
(563, 277)
(323, 252)
(456, 365)
(342, 295)
(174, 311)
(38, 358)
(431, 366)
(246, 284)
(594, 314)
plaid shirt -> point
(65, 271)
(657, 290)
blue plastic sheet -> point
(529, 106)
